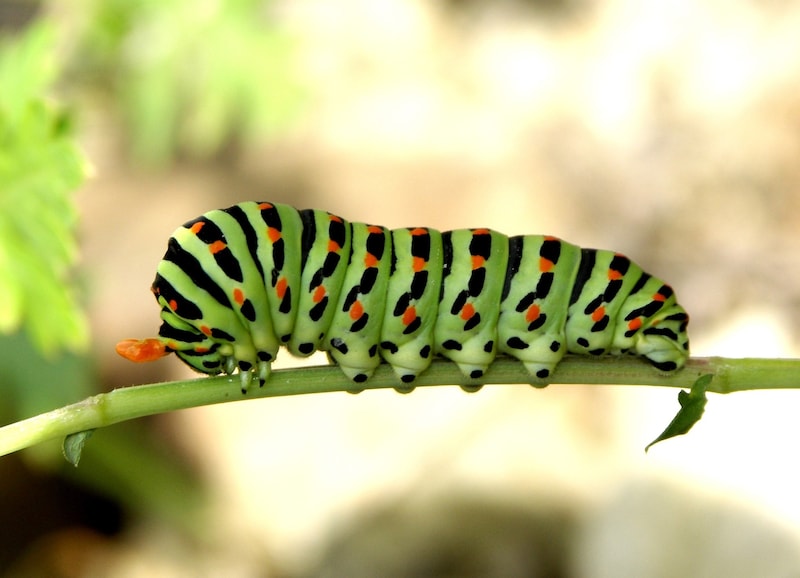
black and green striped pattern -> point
(237, 284)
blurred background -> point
(666, 131)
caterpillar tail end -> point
(664, 354)
(142, 350)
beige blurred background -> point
(669, 131)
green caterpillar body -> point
(237, 284)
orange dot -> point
(216, 247)
(205, 329)
(659, 297)
(551, 238)
(273, 234)
(333, 246)
(370, 260)
(545, 264)
(238, 296)
(613, 275)
(334, 218)
(477, 262)
(532, 313)
(375, 229)
(418, 231)
(467, 311)
(635, 324)
(199, 349)
(356, 310)
(197, 226)
(409, 315)
(319, 294)
(173, 305)
(418, 264)
(266, 206)
(281, 286)
(481, 232)
(598, 314)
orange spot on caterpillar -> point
(481, 232)
(467, 311)
(356, 310)
(545, 264)
(551, 238)
(370, 260)
(238, 296)
(281, 286)
(205, 329)
(273, 234)
(266, 206)
(409, 315)
(598, 314)
(333, 247)
(216, 247)
(418, 264)
(635, 324)
(477, 262)
(335, 218)
(201, 349)
(141, 350)
(375, 229)
(418, 231)
(659, 297)
(195, 228)
(614, 275)
(532, 313)
(173, 305)
(319, 294)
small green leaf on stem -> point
(73, 446)
(693, 403)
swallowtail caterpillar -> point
(237, 284)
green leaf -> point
(693, 403)
(73, 446)
(40, 168)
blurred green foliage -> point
(43, 330)
(187, 77)
(40, 168)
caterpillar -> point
(237, 284)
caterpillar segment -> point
(237, 284)
(355, 332)
(475, 263)
(324, 255)
(412, 302)
(533, 311)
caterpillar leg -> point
(260, 372)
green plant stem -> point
(133, 402)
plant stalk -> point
(105, 409)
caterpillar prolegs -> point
(237, 284)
